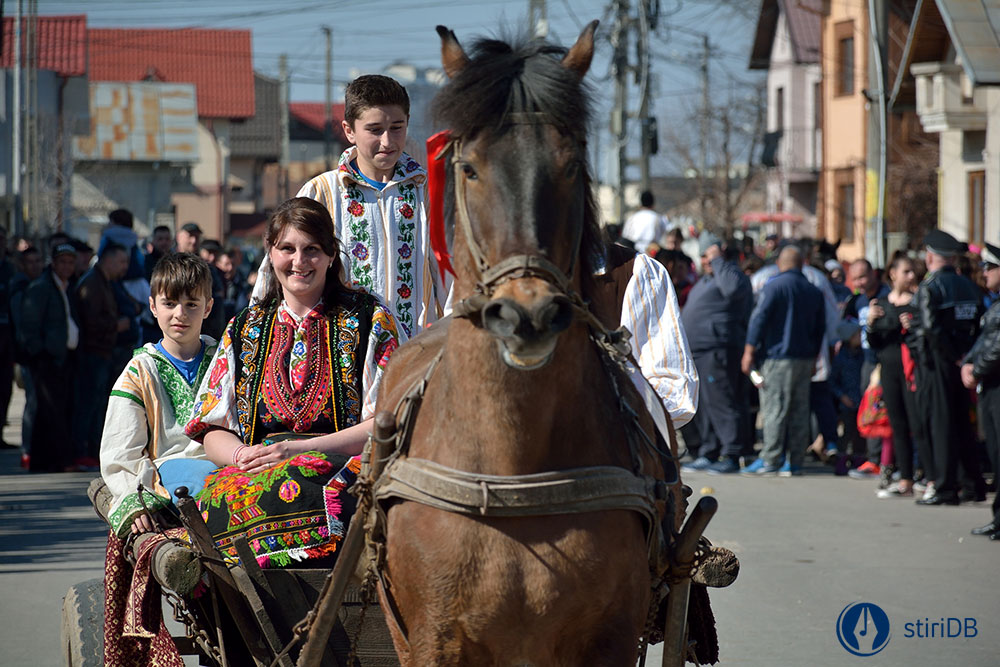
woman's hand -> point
(906, 320)
(258, 458)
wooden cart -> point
(245, 616)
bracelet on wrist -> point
(236, 453)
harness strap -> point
(574, 491)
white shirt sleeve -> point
(659, 344)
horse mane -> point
(522, 76)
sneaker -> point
(893, 491)
(726, 466)
(759, 469)
(698, 465)
(788, 470)
(920, 485)
(929, 492)
(885, 476)
(866, 470)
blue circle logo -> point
(863, 629)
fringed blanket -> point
(134, 632)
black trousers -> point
(944, 404)
(721, 403)
(6, 373)
(51, 444)
(989, 415)
(901, 404)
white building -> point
(787, 45)
(951, 72)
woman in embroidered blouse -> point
(286, 407)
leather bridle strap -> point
(515, 266)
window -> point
(779, 109)
(844, 35)
(844, 201)
(977, 206)
(818, 105)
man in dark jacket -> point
(788, 323)
(982, 368)
(946, 326)
(48, 334)
(715, 319)
(100, 324)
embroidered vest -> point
(331, 397)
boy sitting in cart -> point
(145, 454)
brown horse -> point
(520, 387)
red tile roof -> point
(62, 44)
(313, 115)
(218, 62)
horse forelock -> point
(524, 75)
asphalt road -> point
(808, 546)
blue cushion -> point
(185, 472)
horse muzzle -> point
(527, 334)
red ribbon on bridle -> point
(436, 176)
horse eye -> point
(469, 172)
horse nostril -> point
(555, 316)
(503, 317)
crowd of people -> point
(884, 374)
(71, 318)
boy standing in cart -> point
(376, 197)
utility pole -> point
(877, 157)
(31, 115)
(646, 124)
(704, 128)
(283, 125)
(328, 114)
(15, 174)
(619, 40)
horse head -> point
(521, 202)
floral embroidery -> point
(406, 211)
(311, 465)
(405, 251)
(289, 490)
(359, 237)
(261, 508)
(347, 345)
(384, 336)
(296, 390)
(403, 291)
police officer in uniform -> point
(982, 368)
(945, 327)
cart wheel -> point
(82, 633)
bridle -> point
(513, 267)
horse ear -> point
(453, 58)
(580, 54)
